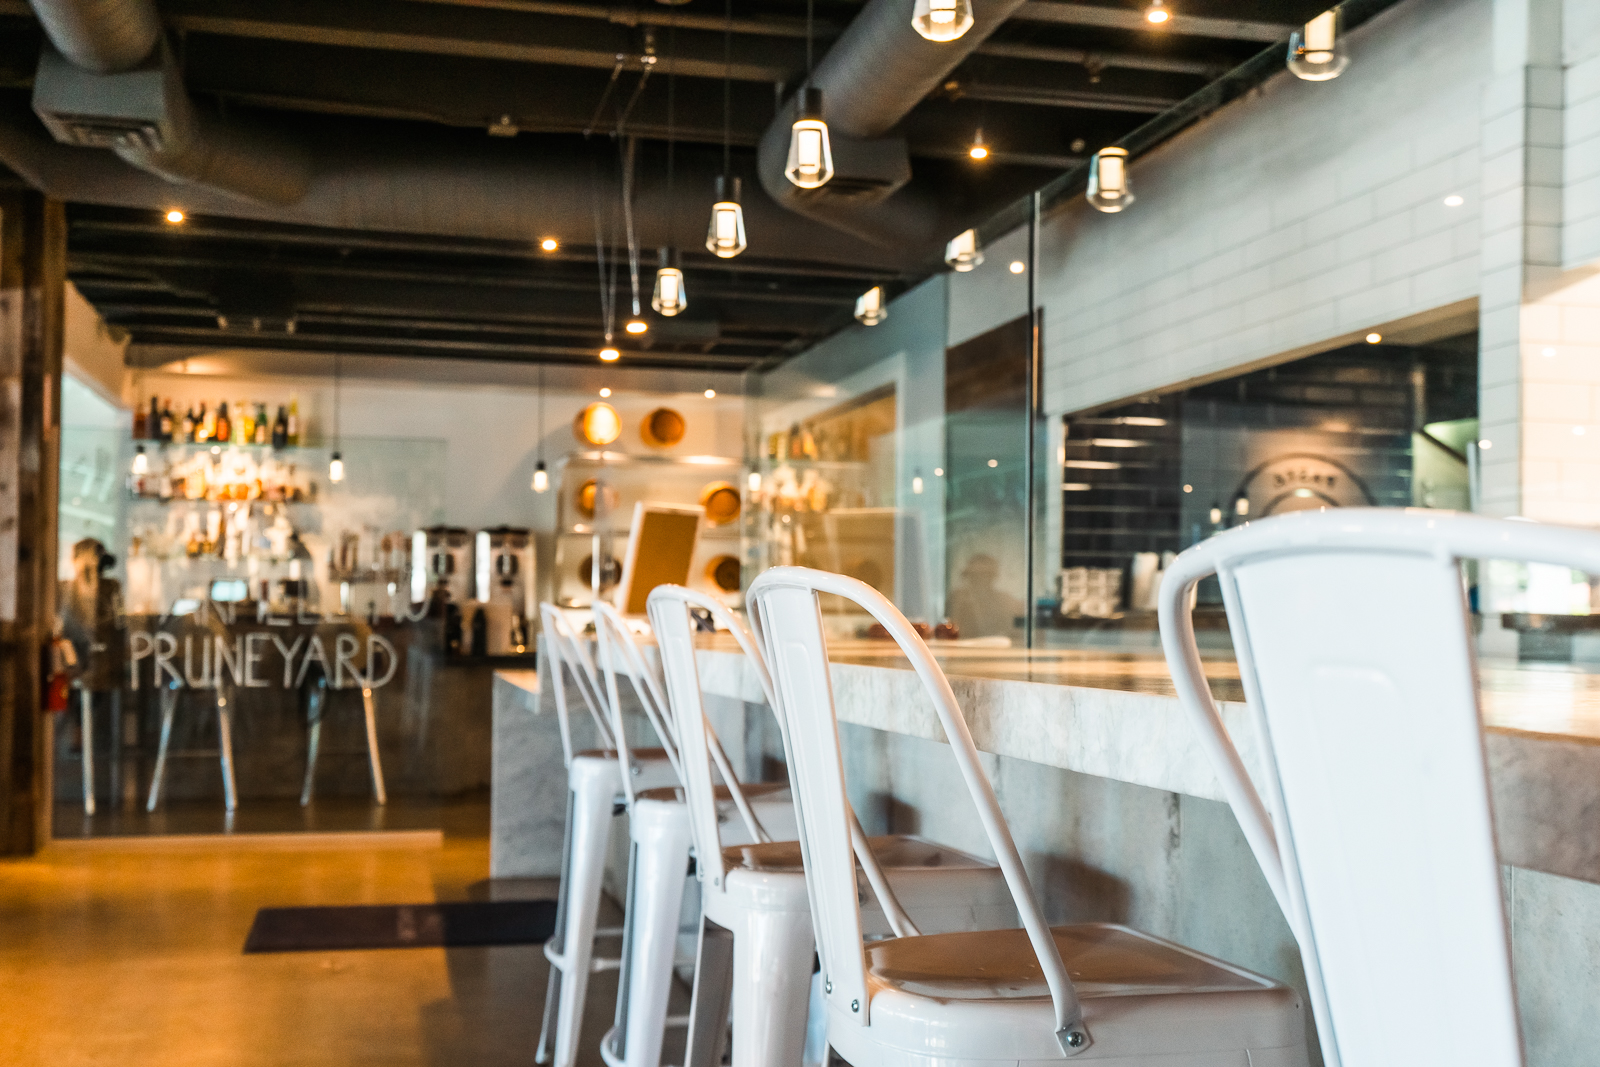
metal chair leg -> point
(316, 705)
(169, 705)
(369, 704)
(86, 718)
(225, 743)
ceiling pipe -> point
(875, 73)
(455, 184)
(102, 36)
(110, 80)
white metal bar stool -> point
(595, 792)
(660, 832)
(1372, 822)
(756, 946)
(169, 709)
(1094, 990)
(316, 712)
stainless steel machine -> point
(503, 573)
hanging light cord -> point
(810, 12)
(672, 129)
(606, 292)
(541, 413)
(629, 154)
(727, 92)
(336, 441)
(616, 72)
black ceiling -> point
(1056, 82)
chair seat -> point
(772, 803)
(891, 850)
(981, 996)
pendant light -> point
(669, 298)
(978, 149)
(541, 476)
(1108, 180)
(725, 236)
(1157, 13)
(962, 252)
(336, 461)
(1316, 50)
(141, 462)
(941, 20)
(810, 163)
(869, 307)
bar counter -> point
(1116, 716)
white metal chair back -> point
(566, 656)
(619, 651)
(1352, 636)
(699, 746)
(788, 627)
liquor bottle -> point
(263, 425)
(294, 423)
(280, 429)
(243, 423)
(208, 424)
(166, 421)
(222, 429)
(141, 423)
(187, 430)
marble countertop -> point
(1116, 715)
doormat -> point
(462, 925)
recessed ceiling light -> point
(1017, 266)
(1157, 13)
(711, 394)
(1454, 201)
(994, 463)
(605, 392)
(549, 244)
(610, 355)
(1374, 338)
(175, 217)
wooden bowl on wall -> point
(593, 492)
(610, 572)
(724, 572)
(662, 428)
(598, 424)
(721, 501)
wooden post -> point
(32, 276)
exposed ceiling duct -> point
(458, 183)
(875, 73)
(111, 81)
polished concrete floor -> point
(126, 951)
(466, 816)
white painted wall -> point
(1291, 221)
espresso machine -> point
(448, 552)
(503, 571)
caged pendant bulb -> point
(541, 478)
(1108, 180)
(336, 468)
(1316, 50)
(810, 164)
(941, 20)
(962, 253)
(725, 236)
(669, 297)
(869, 307)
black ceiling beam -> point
(260, 238)
(486, 33)
(761, 25)
(1181, 24)
(204, 340)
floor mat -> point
(457, 925)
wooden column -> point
(32, 276)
